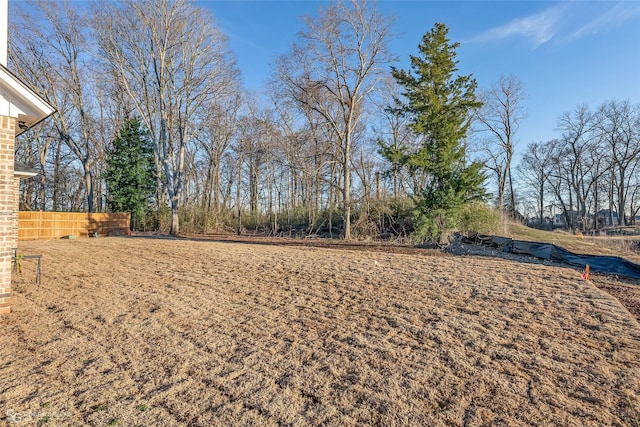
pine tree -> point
(130, 173)
(439, 105)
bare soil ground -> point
(164, 332)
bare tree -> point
(305, 155)
(365, 168)
(217, 129)
(595, 163)
(560, 182)
(500, 118)
(618, 124)
(333, 68)
(535, 169)
(34, 148)
(634, 203)
(172, 61)
(394, 133)
(57, 52)
(580, 155)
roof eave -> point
(29, 108)
(23, 171)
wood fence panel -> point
(54, 225)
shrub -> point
(477, 217)
(438, 225)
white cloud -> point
(564, 22)
(621, 12)
(539, 28)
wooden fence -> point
(54, 225)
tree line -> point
(151, 118)
(590, 175)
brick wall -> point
(16, 207)
(8, 210)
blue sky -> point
(565, 53)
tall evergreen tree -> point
(439, 106)
(130, 174)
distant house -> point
(546, 223)
(560, 220)
(604, 217)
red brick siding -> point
(8, 209)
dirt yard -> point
(185, 332)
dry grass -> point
(158, 332)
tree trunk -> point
(43, 183)
(611, 205)
(253, 187)
(347, 187)
(238, 204)
(621, 198)
(88, 182)
(501, 186)
(216, 185)
(56, 179)
(541, 200)
(175, 219)
(512, 195)
(595, 205)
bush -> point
(198, 220)
(477, 217)
(434, 225)
(321, 224)
(387, 219)
(438, 225)
(156, 220)
(193, 220)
